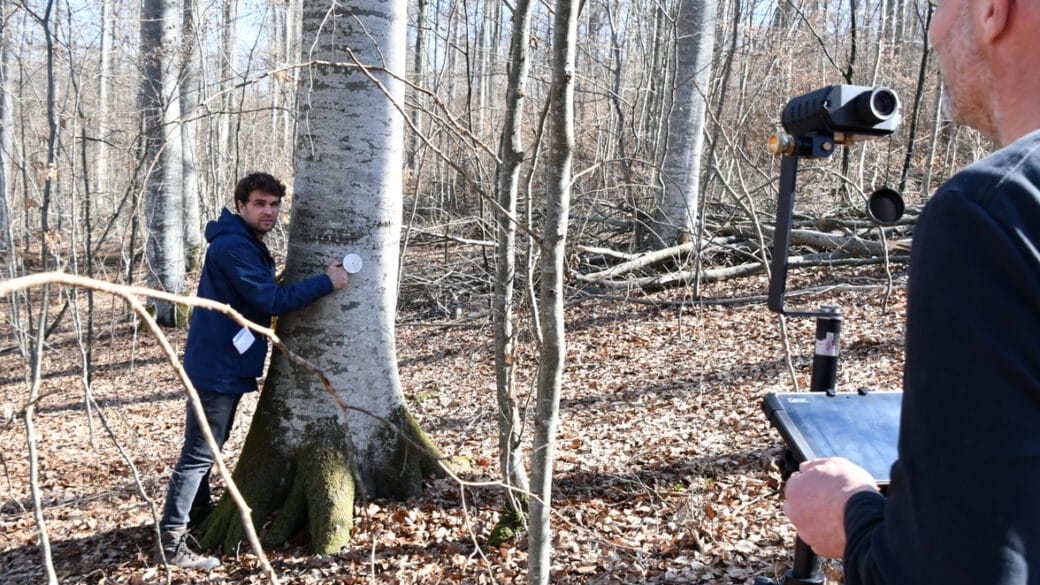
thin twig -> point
(787, 350)
(30, 438)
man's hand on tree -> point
(815, 498)
(338, 275)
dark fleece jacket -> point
(239, 271)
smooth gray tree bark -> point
(511, 153)
(677, 212)
(101, 151)
(5, 125)
(552, 350)
(347, 199)
(190, 89)
(160, 108)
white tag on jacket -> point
(243, 340)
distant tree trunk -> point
(419, 73)
(929, 163)
(101, 180)
(677, 213)
(6, 242)
(189, 98)
(295, 464)
(617, 52)
(225, 172)
(160, 106)
(511, 152)
(554, 238)
(51, 168)
(916, 109)
(650, 125)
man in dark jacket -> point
(962, 506)
(223, 359)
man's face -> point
(260, 211)
(960, 60)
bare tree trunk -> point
(160, 106)
(297, 461)
(292, 49)
(101, 179)
(51, 168)
(552, 350)
(189, 101)
(510, 458)
(677, 216)
(419, 73)
(6, 239)
(225, 174)
(918, 96)
(929, 163)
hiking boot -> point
(174, 542)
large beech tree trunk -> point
(295, 465)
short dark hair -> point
(258, 182)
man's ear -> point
(996, 18)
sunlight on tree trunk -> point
(296, 463)
(5, 125)
(553, 348)
(511, 461)
(160, 105)
(677, 215)
(189, 98)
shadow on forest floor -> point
(85, 559)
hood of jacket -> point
(231, 224)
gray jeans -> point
(189, 485)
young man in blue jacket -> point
(222, 359)
(963, 503)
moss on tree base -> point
(510, 524)
(313, 490)
(310, 486)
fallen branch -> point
(129, 294)
(686, 277)
(457, 239)
(727, 301)
(846, 242)
(634, 262)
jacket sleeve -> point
(864, 517)
(962, 504)
(247, 271)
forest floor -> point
(666, 469)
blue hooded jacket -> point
(239, 271)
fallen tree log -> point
(849, 243)
(635, 262)
(685, 277)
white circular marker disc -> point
(352, 263)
